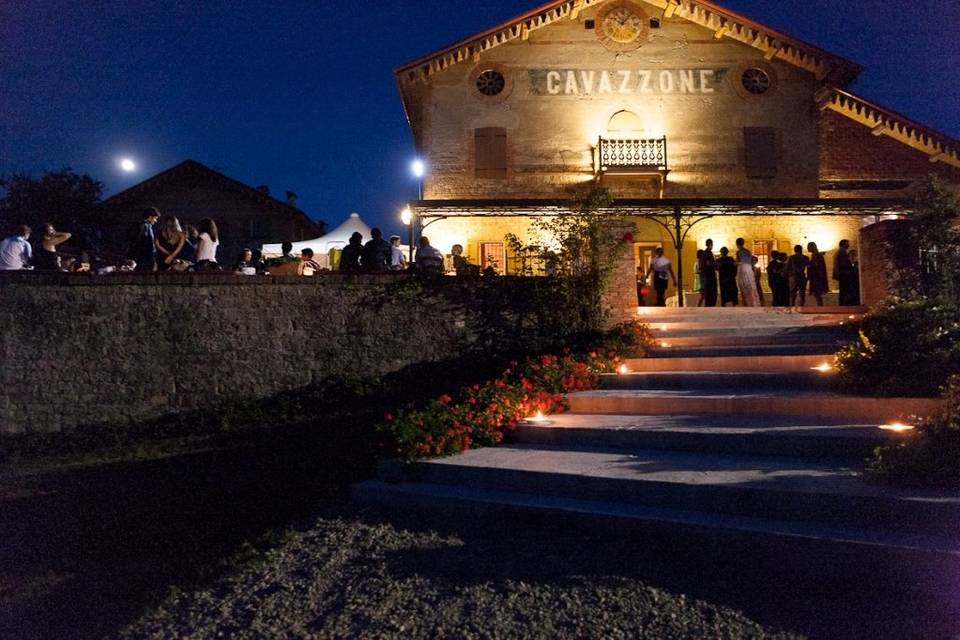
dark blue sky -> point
(299, 95)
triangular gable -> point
(723, 22)
(882, 121)
(192, 167)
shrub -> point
(931, 456)
(481, 415)
(905, 348)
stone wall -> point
(888, 259)
(82, 349)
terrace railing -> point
(633, 155)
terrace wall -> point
(80, 349)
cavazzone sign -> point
(587, 82)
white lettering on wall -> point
(666, 82)
(553, 82)
(605, 86)
(586, 79)
(706, 80)
(601, 82)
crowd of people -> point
(736, 280)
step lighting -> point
(826, 367)
(539, 418)
(665, 345)
(897, 427)
(623, 369)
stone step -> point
(756, 487)
(662, 350)
(736, 380)
(726, 338)
(729, 363)
(658, 312)
(789, 548)
(760, 402)
(746, 324)
(821, 439)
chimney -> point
(264, 189)
(291, 198)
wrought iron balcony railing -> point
(633, 155)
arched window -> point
(624, 124)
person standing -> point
(817, 273)
(758, 278)
(15, 251)
(170, 243)
(375, 256)
(746, 279)
(844, 274)
(145, 245)
(727, 268)
(777, 277)
(350, 256)
(855, 277)
(398, 261)
(47, 257)
(797, 266)
(662, 272)
(697, 284)
(191, 239)
(708, 275)
(207, 245)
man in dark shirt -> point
(375, 256)
(845, 274)
(797, 275)
(350, 257)
(144, 247)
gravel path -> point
(346, 579)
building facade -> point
(246, 216)
(701, 122)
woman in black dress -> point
(727, 268)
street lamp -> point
(406, 217)
(419, 169)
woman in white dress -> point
(746, 279)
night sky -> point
(299, 95)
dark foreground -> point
(93, 551)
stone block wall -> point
(888, 259)
(82, 349)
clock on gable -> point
(622, 26)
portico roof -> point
(723, 22)
(668, 206)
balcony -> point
(633, 157)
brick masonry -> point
(103, 350)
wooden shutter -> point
(490, 152)
(760, 151)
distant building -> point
(246, 216)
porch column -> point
(619, 296)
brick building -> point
(245, 216)
(702, 123)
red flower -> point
(628, 237)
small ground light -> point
(823, 368)
(853, 317)
(897, 427)
(624, 369)
(539, 418)
(665, 345)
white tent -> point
(336, 239)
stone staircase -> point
(728, 433)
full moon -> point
(128, 165)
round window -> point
(756, 81)
(491, 82)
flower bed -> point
(931, 456)
(481, 415)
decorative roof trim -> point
(723, 22)
(882, 121)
